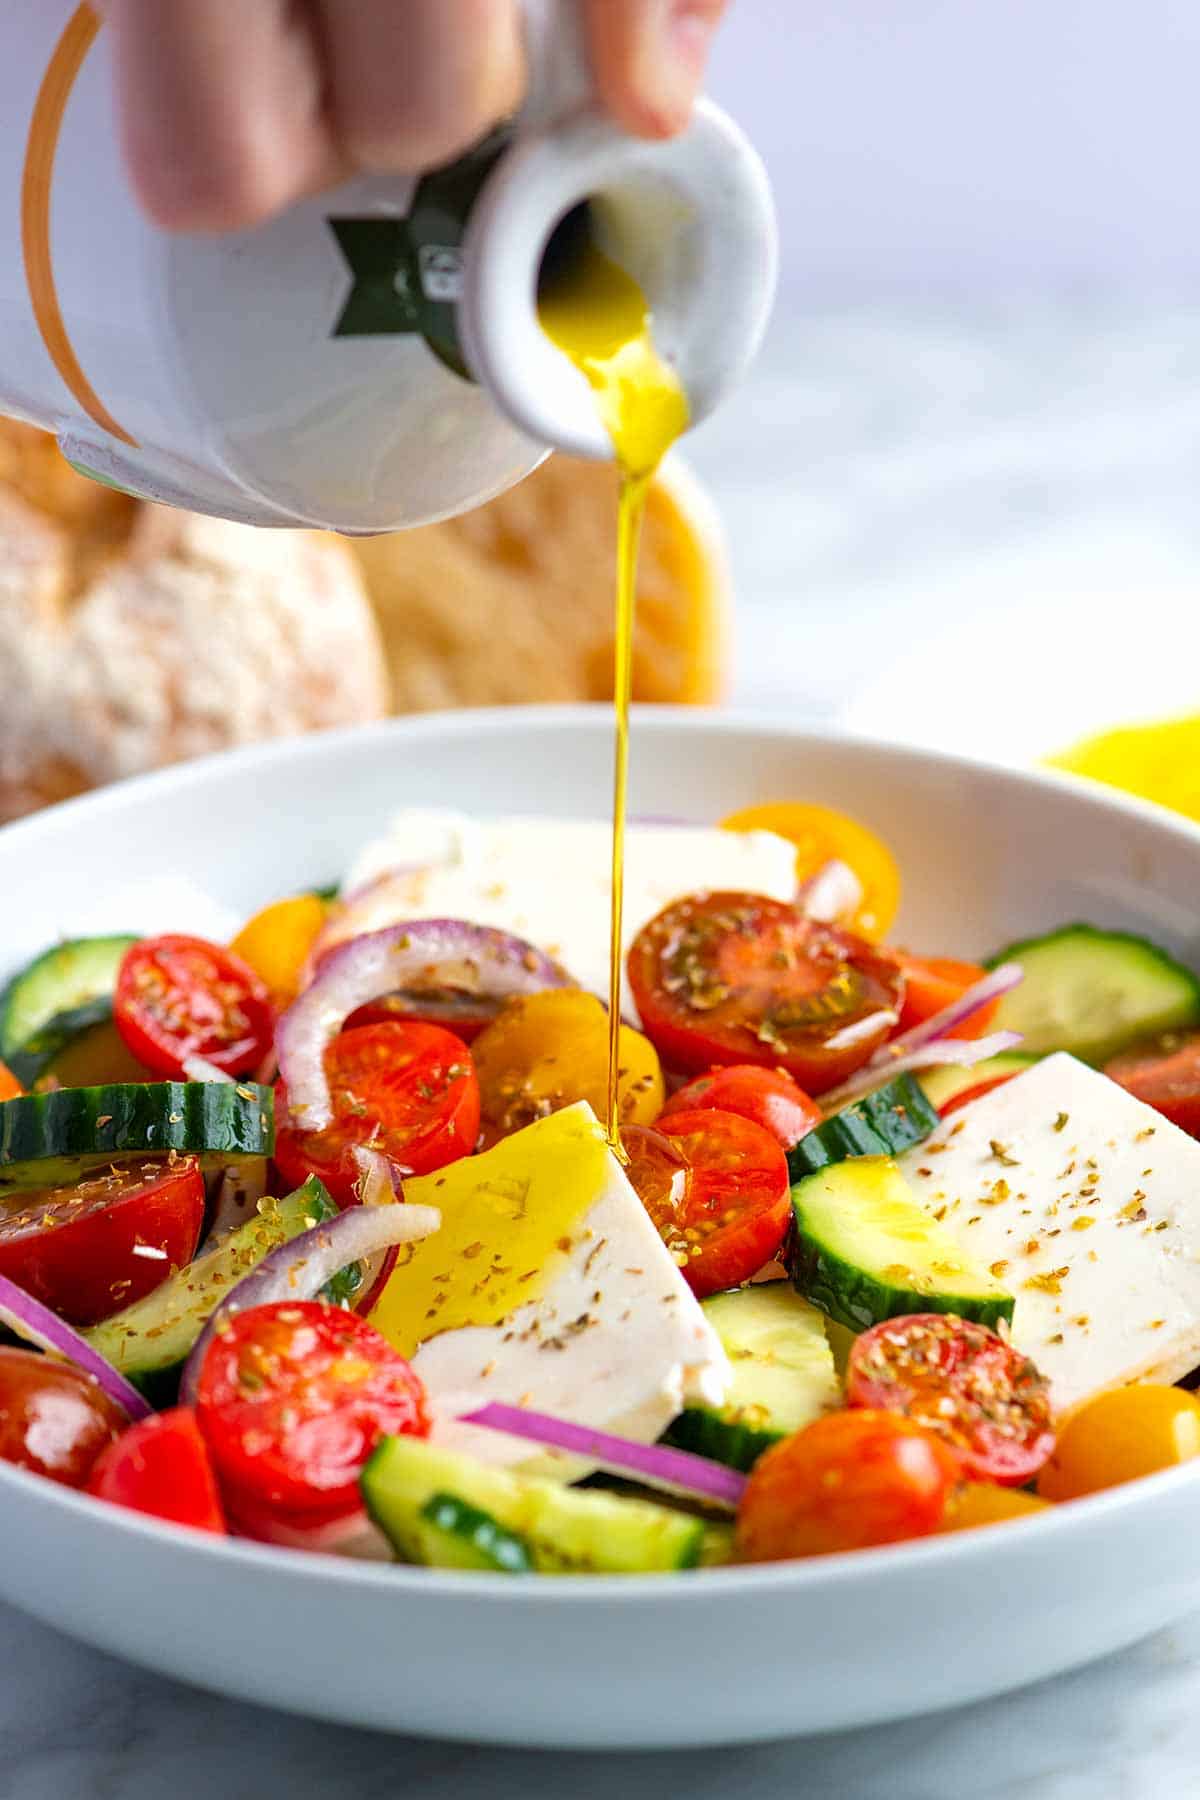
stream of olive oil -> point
(598, 316)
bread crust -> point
(134, 635)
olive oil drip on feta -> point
(598, 316)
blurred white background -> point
(962, 483)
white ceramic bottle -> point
(372, 358)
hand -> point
(232, 109)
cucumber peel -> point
(864, 1249)
(893, 1118)
(51, 1140)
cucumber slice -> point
(459, 1536)
(783, 1375)
(157, 1333)
(48, 1140)
(941, 1085)
(865, 1249)
(54, 998)
(565, 1530)
(1093, 992)
(893, 1118)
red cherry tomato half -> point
(736, 978)
(931, 983)
(716, 1187)
(973, 1093)
(846, 1482)
(964, 1382)
(770, 1097)
(1164, 1071)
(408, 1090)
(178, 997)
(293, 1398)
(91, 1249)
(53, 1419)
(161, 1466)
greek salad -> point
(317, 1237)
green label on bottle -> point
(383, 301)
(407, 273)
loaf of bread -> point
(134, 635)
(514, 602)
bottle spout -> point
(690, 218)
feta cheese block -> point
(1086, 1204)
(549, 880)
(548, 1287)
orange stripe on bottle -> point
(36, 183)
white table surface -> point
(890, 478)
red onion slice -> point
(197, 1068)
(299, 1270)
(37, 1324)
(961, 1053)
(427, 953)
(834, 893)
(678, 1470)
(999, 981)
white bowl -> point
(718, 1657)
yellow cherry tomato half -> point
(983, 1503)
(276, 943)
(822, 835)
(550, 1050)
(1119, 1435)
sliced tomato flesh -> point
(738, 978)
(293, 1398)
(932, 983)
(91, 1249)
(181, 997)
(963, 1381)
(406, 1089)
(716, 1187)
(161, 1466)
(967, 1095)
(1164, 1071)
(770, 1097)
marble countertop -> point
(894, 481)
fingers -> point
(649, 58)
(413, 83)
(222, 108)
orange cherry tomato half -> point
(770, 1097)
(179, 997)
(973, 1093)
(965, 1383)
(1164, 1071)
(53, 1419)
(932, 983)
(983, 1503)
(292, 1399)
(716, 1187)
(10, 1087)
(408, 1090)
(1119, 1435)
(848, 1481)
(822, 835)
(737, 978)
(161, 1466)
(91, 1249)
